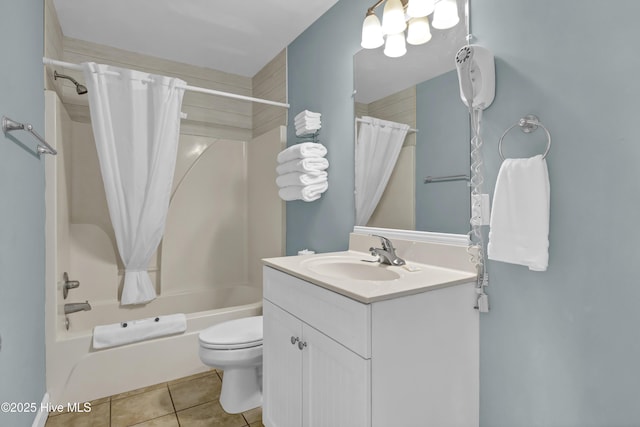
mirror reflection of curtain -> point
(136, 123)
(377, 150)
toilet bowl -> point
(236, 348)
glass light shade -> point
(395, 45)
(420, 8)
(393, 21)
(371, 32)
(446, 15)
(418, 32)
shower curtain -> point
(377, 150)
(136, 124)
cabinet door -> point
(336, 383)
(282, 374)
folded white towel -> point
(301, 151)
(299, 178)
(519, 231)
(307, 113)
(115, 334)
(307, 193)
(307, 130)
(300, 122)
(309, 164)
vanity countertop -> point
(384, 282)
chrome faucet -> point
(386, 254)
(76, 306)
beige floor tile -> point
(98, 417)
(141, 407)
(195, 392)
(193, 377)
(209, 415)
(258, 424)
(253, 415)
(138, 391)
(170, 420)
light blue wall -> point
(22, 356)
(562, 348)
(320, 67)
(559, 348)
(442, 148)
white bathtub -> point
(79, 373)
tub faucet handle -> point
(68, 284)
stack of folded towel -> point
(302, 172)
(307, 122)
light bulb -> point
(393, 17)
(371, 32)
(445, 15)
(395, 45)
(420, 8)
(418, 32)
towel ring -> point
(528, 124)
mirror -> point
(421, 89)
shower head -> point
(80, 89)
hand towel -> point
(307, 193)
(115, 334)
(307, 113)
(301, 151)
(309, 164)
(299, 178)
(519, 232)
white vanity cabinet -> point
(332, 361)
(309, 378)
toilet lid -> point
(234, 334)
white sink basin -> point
(350, 268)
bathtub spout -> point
(76, 306)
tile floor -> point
(185, 402)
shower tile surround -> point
(189, 401)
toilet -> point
(235, 347)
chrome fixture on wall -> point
(80, 89)
(409, 15)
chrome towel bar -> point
(431, 179)
(9, 125)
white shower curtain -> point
(377, 150)
(136, 125)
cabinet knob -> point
(302, 344)
(294, 340)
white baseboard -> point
(41, 419)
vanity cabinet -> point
(332, 361)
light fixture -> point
(371, 32)
(445, 15)
(394, 23)
(418, 32)
(420, 8)
(395, 46)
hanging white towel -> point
(519, 232)
(105, 336)
(309, 164)
(299, 178)
(307, 193)
(302, 150)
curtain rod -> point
(77, 67)
(359, 120)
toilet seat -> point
(233, 334)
